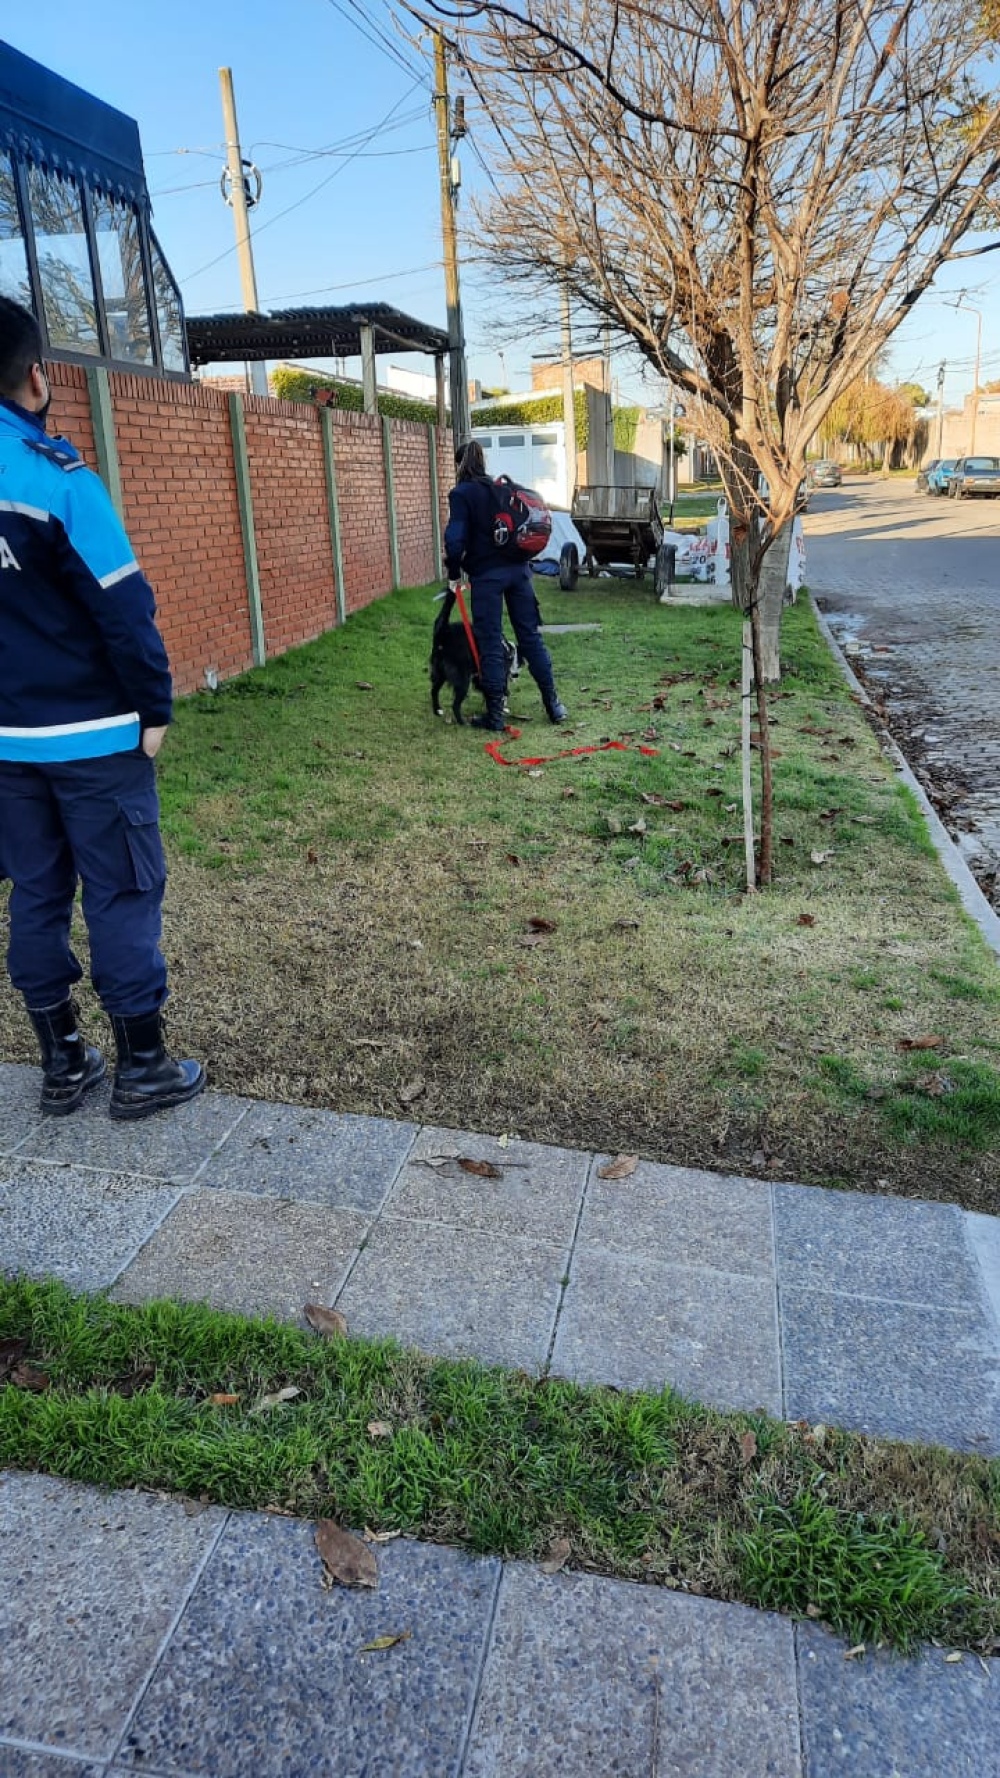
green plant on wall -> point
(535, 410)
(299, 385)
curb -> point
(972, 898)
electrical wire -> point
(377, 37)
(189, 277)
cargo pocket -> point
(140, 816)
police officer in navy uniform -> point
(496, 579)
(85, 699)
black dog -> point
(452, 663)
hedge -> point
(298, 385)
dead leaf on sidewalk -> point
(855, 1653)
(347, 1560)
(931, 1042)
(378, 1643)
(560, 1550)
(482, 1169)
(329, 1322)
(371, 1536)
(619, 1168)
(277, 1399)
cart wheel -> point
(569, 567)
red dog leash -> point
(493, 749)
(463, 614)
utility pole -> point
(940, 413)
(975, 381)
(569, 409)
(447, 132)
(237, 196)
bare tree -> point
(754, 192)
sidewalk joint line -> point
(567, 1272)
(148, 1236)
(196, 1175)
(486, 1650)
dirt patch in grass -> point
(352, 886)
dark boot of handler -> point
(85, 699)
(496, 580)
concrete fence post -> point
(333, 510)
(432, 460)
(241, 459)
(390, 500)
(105, 441)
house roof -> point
(308, 333)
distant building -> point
(76, 240)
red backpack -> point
(522, 523)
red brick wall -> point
(291, 521)
(179, 489)
(364, 523)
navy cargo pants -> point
(96, 821)
(490, 591)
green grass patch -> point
(885, 1543)
(352, 881)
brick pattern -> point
(364, 524)
(291, 521)
(181, 509)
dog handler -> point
(495, 579)
(85, 698)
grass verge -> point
(352, 883)
(885, 1543)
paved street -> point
(916, 582)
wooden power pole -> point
(460, 421)
(241, 218)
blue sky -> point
(365, 226)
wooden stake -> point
(747, 683)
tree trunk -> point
(771, 599)
(765, 868)
(740, 566)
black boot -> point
(554, 710)
(71, 1066)
(493, 717)
(146, 1078)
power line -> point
(376, 37)
(190, 276)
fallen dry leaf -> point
(920, 1043)
(223, 1401)
(482, 1169)
(619, 1168)
(512, 858)
(638, 826)
(560, 1550)
(11, 1353)
(30, 1377)
(819, 857)
(379, 1429)
(567, 790)
(347, 1560)
(411, 1091)
(625, 925)
(538, 923)
(806, 920)
(277, 1400)
(855, 1653)
(529, 940)
(613, 823)
(364, 685)
(312, 856)
(955, 1655)
(380, 1642)
(748, 1446)
(329, 1322)
(656, 801)
(534, 772)
(371, 1536)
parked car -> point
(939, 477)
(923, 478)
(825, 474)
(975, 475)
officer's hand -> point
(151, 740)
(453, 586)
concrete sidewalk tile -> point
(68, 1223)
(171, 1145)
(249, 1255)
(538, 1193)
(19, 1762)
(586, 1675)
(19, 1112)
(898, 1370)
(89, 1586)
(983, 1235)
(265, 1674)
(456, 1292)
(875, 1247)
(890, 1716)
(286, 1151)
(682, 1216)
(630, 1320)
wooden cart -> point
(622, 525)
